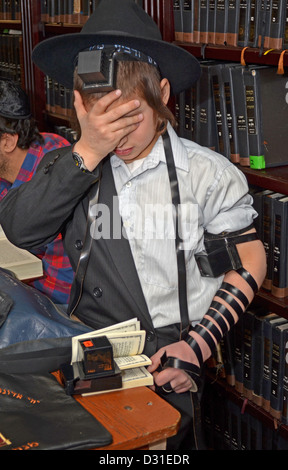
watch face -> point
(78, 160)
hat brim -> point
(56, 57)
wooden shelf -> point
(11, 24)
(252, 55)
(272, 303)
(275, 179)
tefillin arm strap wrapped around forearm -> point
(220, 256)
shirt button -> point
(129, 184)
(150, 336)
(97, 292)
(78, 244)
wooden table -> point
(137, 418)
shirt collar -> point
(157, 154)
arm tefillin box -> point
(95, 372)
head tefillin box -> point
(97, 356)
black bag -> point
(36, 414)
(35, 335)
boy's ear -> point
(165, 87)
(9, 142)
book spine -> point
(247, 356)
(277, 23)
(285, 34)
(268, 14)
(227, 345)
(244, 15)
(230, 114)
(280, 255)
(220, 110)
(258, 360)
(267, 331)
(240, 114)
(254, 122)
(238, 355)
(203, 22)
(188, 21)
(178, 19)
(277, 371)
(232, 22)
(196, 22)
(253, 31)
(258, 205)
(188, 130)
(268, 235)
(205, 120)
(261, 21)
(211, 21)
(284, 416)
(221, 22)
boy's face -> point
(140, 142)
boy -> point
(127, 163)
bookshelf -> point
(34, 30)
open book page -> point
(131, 378)
(23, 264)
(132, 325)
(129, 362)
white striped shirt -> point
(214, 196)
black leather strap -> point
(217, 317)
(224, 311)
(191, 369)
(248, 278)
(175, 194)
(236, 292)
(196, 348)
(230, 300)
(212, 330)
(207, 337)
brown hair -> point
(135, 78)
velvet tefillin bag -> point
(37, 414)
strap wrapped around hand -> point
(192, 370)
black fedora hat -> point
(120, 22)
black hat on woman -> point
(117, 22)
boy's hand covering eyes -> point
(103, 126)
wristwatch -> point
(80, 162)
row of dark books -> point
(253, 359)
(10, 10)
(239, 111)
(66, 132)
(252, 23)
(272, 227)
(227, 425)
(58, 98)
(69, 11)
(10, 56)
